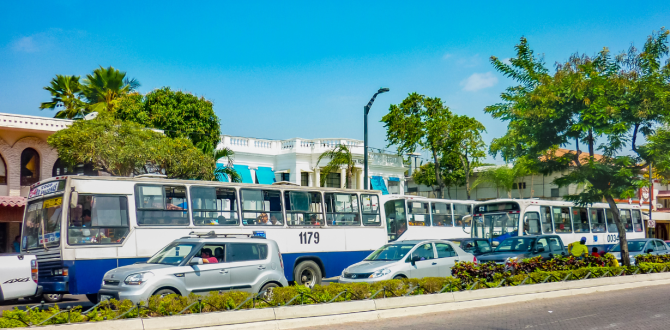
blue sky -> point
(305, 69)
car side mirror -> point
(540, 249)
(650, 250)
(414, 260)
(195, 261)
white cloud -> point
(25, 44)
(479, 81)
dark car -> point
(476, 246)
(528, 246)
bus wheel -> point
(52, 297)
(307, 273)
(93, 298)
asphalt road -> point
(68, 300)
(641, 308)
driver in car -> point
(206, 255)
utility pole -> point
(366, 110)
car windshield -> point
(172, 254)
(633, 246)
(515, 244)
(390, 252)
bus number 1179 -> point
(309, 237)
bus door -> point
(396, 220)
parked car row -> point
(207, 262)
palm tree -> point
(340, 156)
(104, 88)
(65, 93)
(228, 169)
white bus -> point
(80, 227)
(502, 218)
(428, 218)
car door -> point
(426, 266)
(446, 258)
(247, 263)
(556, 247)
(660, 248)
(542, 248)
(208, 277)
(483, 246)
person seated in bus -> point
(314, 221)
(526, 229)
(262, 219)
(207, 258)
(86, 218)
(402, 227)
(274, 221)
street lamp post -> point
(366, 109)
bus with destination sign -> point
(80, 227)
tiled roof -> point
(583, 157)
(12, 201)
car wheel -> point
(266, 291)
(52, 297)
(308, 274)
(398, 277)
(164, 292)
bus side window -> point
(611, 226)
(214, 206)
(161, 205)
(303, 208)
(626, 219)
(598, 224)
(441, 213)
(102, 220)
(370, 209)
(562, 221)
(545, 218)
(342, 209)
(418, 213)
(580, 220)
(461, 211)
(261, 207)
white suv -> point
(201, 263)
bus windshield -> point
(494, 225)
(390, 252)
(42, 223)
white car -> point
(407, 259)
(18, 276)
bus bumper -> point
(56, 284)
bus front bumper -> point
(54, 284)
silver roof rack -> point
(213, 234)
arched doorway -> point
(3, 171)
(30, 167)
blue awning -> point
(377, 183)
(394, 179)
(221, 177)
(243, 171)
(265, 175)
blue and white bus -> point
(501, 218)
(80, 227)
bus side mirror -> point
(74, 199)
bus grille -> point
(47, 261)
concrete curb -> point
(370, 310)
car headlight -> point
(380, 273)
(511, 259)
(138, 278)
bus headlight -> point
(380, 273)
(138, 278)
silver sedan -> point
(407, 259)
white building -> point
(266, 161)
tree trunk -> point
(623, 242)
(449, 192)
(466, 169)
(438, 178)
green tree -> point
(228, 169)
(499, 176)
(425, 175)
(104, 87)
(125, 148)
(464, 141)
(66, 95)
(340, 157)
(589, 99)
(177, 113)
(419, 122)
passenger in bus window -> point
(262, 219)
(274, 221)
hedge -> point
(300, 295)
